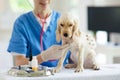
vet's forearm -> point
(19, 59)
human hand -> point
(54, 52)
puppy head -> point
(67, 27)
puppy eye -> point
(70, 25)
(61, 25)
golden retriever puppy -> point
(82, 46)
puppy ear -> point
(76, 31)
(58, 32)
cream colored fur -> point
(82, 46)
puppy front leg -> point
(60, 63)
(94, 62)
(80, 62)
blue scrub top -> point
(25, 37)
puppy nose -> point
(65, 34)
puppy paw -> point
(96, 67)
(56, 70)
(70, 66)
(79, 69)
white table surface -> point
(107, 72)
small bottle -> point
(34, 64)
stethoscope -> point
(43, 22)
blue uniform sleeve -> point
(18, 41)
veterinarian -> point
(34, 33)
